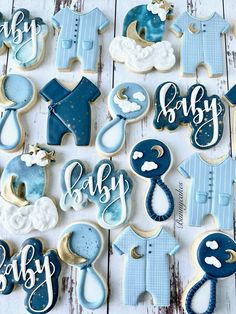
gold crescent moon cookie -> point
(133, 34)
(120, 94)
(159, 149)
(192, 28)
(134, 253)
(232, 258)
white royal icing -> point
(212, 260)
(140, 96)
(125, 105)
(38, 158)
(212, 245)
(125, 50)
(148, 166)
(137, 155)
(155, 8)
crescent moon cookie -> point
(141, 47)
(203, 113)
(37, 272)
(151, 160)
(25, 36)
(69, 110)
(23, 184)
(17, 95)
(127, 102)
(108, 188)
(146, 266)
(215, 253)
(80, 246)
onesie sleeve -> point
(90, 89)
(223, 25)
(179, 25)
(58, 17)
(53, 91)
(171, 243)
(103, 21)
(185, 168)
(121, 243)
(231, 96)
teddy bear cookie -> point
(80, 246)
(141, 47)
(108, 188)
(127, 102)
(23, 185)
(37, 272)
(78, 39)
(17, 95)
(26, 36)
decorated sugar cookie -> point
(216, 258)
(108, 188)
(25, 36)
(141, 47)
(78, 40)
(151, 159)
(23, 187)
(17, 95)
(202, 112)
(69, 110)
(80, 246)
(127, 102)
(37, 272)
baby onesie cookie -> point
(17, 95)
(212, 189)
(202, 112)
(78, 39)
(23, 187)
(151, 159)
(25, 36)
(69, 110)
(216, 258)
(37, 272)
(201, 43)
(108, 188)
(127, 102)
(80, 246)
(141, 47)
(147, 266)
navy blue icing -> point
(205, 136)
(69, 111)
(231, 95)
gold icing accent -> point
(33, 149)
(9, 194)
(232, 258)
(120, 93)
(134, 254)
(3, 99)
(166, 6)
(159, 149)
(133, 34)
(193, 29)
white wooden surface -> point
(110, 265)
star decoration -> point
(33, 149)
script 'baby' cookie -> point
(37, 272)
(23, 187)
(80, 246)
(78, 38)
(17, 95)
(25, 36)
(127, 102)
(216, 259)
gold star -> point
(33, 149)
(50, 156)
(166, 6)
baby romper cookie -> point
(151, 159)
(37, 272)
(201, 43)
(108, 188)
(211, 190)
(25, 36)
(216, 257)
(78, 39)
(202, 112)
(141, 47)
(147, 266)
(17, 95)
(69, 111)
(80, 246)
(23, 187)
(127, 102)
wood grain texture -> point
(110, 265)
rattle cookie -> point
(201, 43)
(141, 47)
(202, 112)
(25, 36)
(212, 189)
(127, 102)
(151, 159)
(23, 187)
(108, 188)
(146, 263)
(216, 257)
(17, 95)
(80, 246)
(37, 272)
(78, 39)
(69, 111)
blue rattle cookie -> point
(127, 102)
(216, 256)
(151, 159)
(80, 246)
